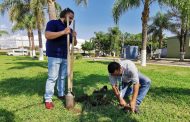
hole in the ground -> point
(98, 98)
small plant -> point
(3, 53)
(78, 56)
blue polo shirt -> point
(57, 47)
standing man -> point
(131, 82)
(56, 50)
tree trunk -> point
(33, 45)
(51, 9)
(182, 46)
(41, 57)
(181, 39)
(145, 16)
(160, 45)
(29, 38)
(113, 53)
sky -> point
(97, 16)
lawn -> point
(22, 83)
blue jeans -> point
(57, 71)
(144, 82)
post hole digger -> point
(70, 102)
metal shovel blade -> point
(70, 100)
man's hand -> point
(133, 105)
(122, 102)
(74, 34)
(66, 31)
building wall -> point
(173, 46)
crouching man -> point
(127, 80)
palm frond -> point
(83, 2)
(120, 6)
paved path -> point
(163, 61)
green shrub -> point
(78, 56)
(3, 53)
(92, 54)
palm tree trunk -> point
(33, 45)
(182, 46)
(181, 39)
(41, 57)
(160, 45)
(29, 38)
(51, 9)
(145, 16)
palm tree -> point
(160, 22)
(120, 6)
(51, 9)
(84, 2)
(53, 6)
(180, 15)
(115, 35)
(22, 18)
(36, 7)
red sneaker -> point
(49, 105)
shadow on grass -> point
(103, 107)
(22, 65)
(23, 85)
(33, 85)
(36, 85)
(16, 58)
(84, 83)
(6, 116)
(93, 107)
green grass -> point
(22, 83)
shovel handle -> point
(68, 57)
(72, 55)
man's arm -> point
(53, 35)
(117, 94)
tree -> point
(180, 15)
(36, 7)
(120, 6)
(22, 18)
(160, 22)
(132, 37)
(53, 6)
(102, 42)
(88, 46)
(115, 38)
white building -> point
(16, 41)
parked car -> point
(17, 52)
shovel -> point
(70, 102)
